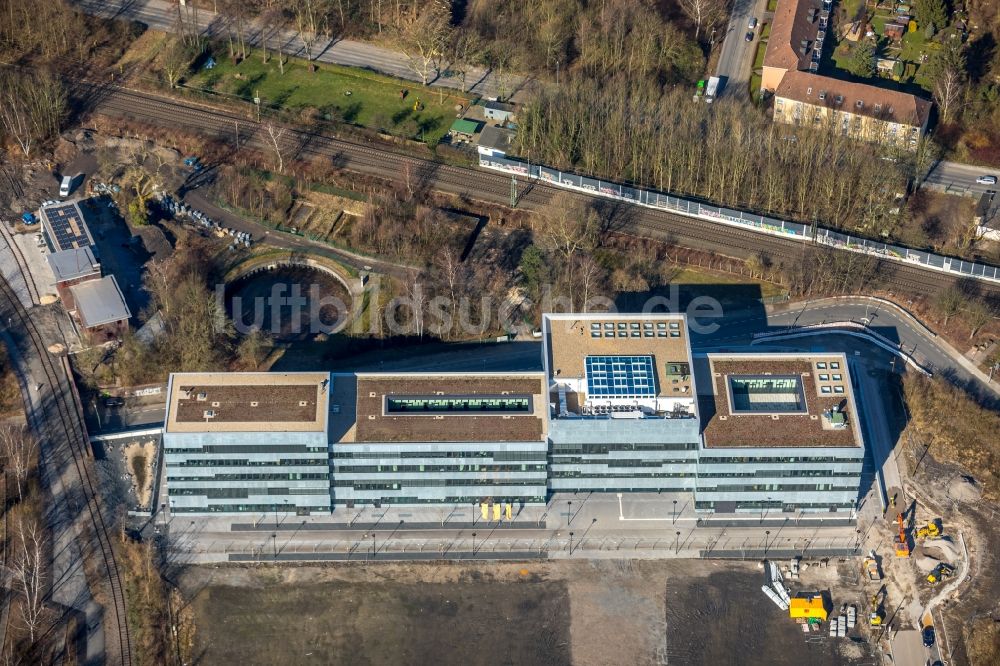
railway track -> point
(69, 412)
(491, 187)
(29, 280)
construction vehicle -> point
(902, 542)
(871, 567)
(941, 572)
(931, 529)
(878, 608)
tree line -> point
(723, 153)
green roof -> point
(464, 126)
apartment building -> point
(803, 97)
(621, 406)
(861, 111)
(248, 442)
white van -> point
(66, 187)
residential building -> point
(803, 97)
(500, 112)
(248, 442)
(798, 31)
(442, 438)
(623, 414)
(495, 141)
(779, 431)
(855, 109)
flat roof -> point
(496, 138)
(465, 126)
(247, 402)
(438, 407)
(99, 302)
(777, 400)
(606, 362)
(73, 264)
(65, 227)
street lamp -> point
(274, 541)
(675, 513)
(473, 544)
(677, 542)
(569, 512)
(570, 543)
(767, 535)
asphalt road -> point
(736, 55)
(957, 178)
(162, 15)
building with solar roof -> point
(621, 406)
(72, 253)
(623, 415)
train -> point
(759, 223)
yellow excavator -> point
(941, 572)
(931, 529)
(878, 608)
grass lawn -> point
(758, 60)
(765, 31)
(755, 80)
(693, 276)
(339, 93)
(772, 5)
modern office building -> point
(779, 431)
(621, 406)
(247, 442)
(438, 438)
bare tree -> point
(20, 453)
(947, 91)
(978, 314)
(276, 133)
(949, 302)
(29, 572)
(31, 107)
(176, 58)
(703, 12)
(305, 20)
(570, 226)
(425, 39)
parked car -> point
(753, 23)
(928, 636)
(114, 401)
(29, 218)
(987, 180)
(749, 36)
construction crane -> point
(902, 542)
(941, 572)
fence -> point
(759, 223)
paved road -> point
(162, 15)
(736, 56)
(958, 178)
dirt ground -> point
(139, 459)
(587, 613)
(975, 601)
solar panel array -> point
(620, 376)
(67, 226)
